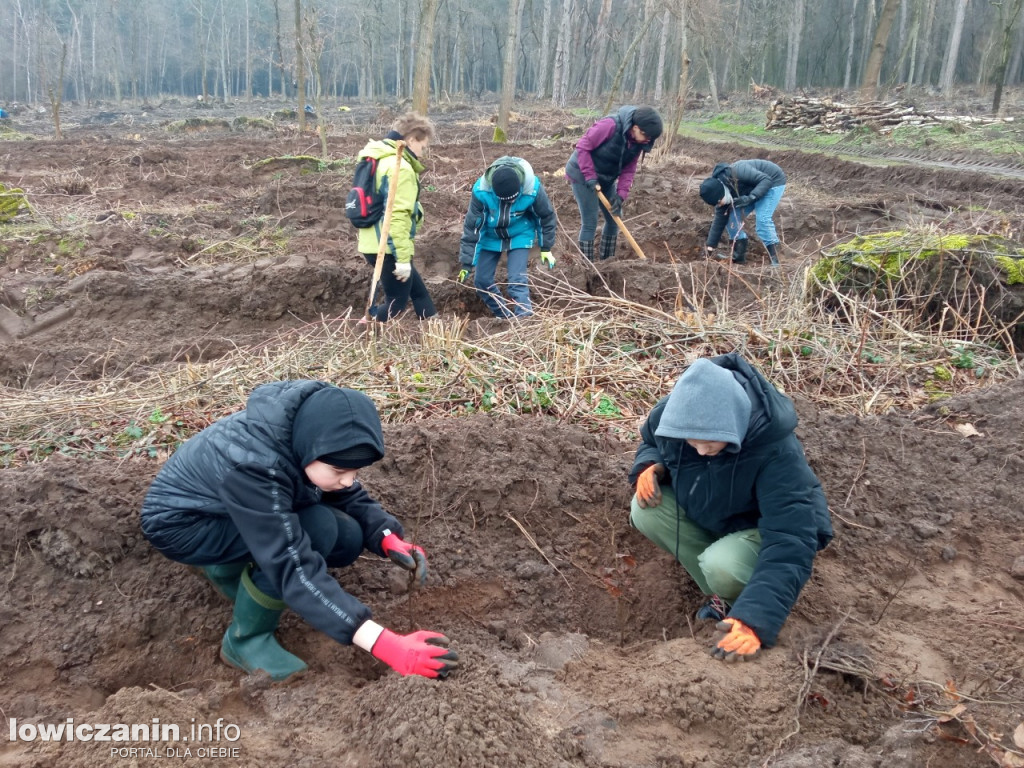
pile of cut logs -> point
(828, 116)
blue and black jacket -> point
(496, 225)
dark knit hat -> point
(356, 457)
(712, 191)
(506, 183)
(648, 120)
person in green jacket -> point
(399, 278)
(723, 485)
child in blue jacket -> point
(509, 212)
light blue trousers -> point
(763, 209)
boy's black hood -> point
(335, 420)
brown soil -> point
(576, 634)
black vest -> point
(616, 153)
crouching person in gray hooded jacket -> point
(722, 484)
(264, 501)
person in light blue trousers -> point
(735, 190)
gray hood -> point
(707, 403)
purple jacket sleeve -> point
(595, 136)
(626, 178)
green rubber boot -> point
(249, 644)
(224, 578)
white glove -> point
(402, 271)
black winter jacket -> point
(744, 177)
(767, 485)
(247, 467)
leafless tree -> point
(508, 73)
(879, 43)
(1009, 16)
(953, 49)
(424, 54)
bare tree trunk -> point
(641, 61)
(248, 54)
(1018, 52)
(599, 59)
(796, 33)
(56, 93)
(315, 50)
(424, 56)
(300, 68)
(869, 25)
(659, 79)
(922, 77)
(679, 107)
(1008, 17)
(850, 48)
(225, 53)
(625, 61)
(544, 71)
(873, 69)
(953, 50)
(560, 75)
(912, 44)
(508, 71)
(279, 49)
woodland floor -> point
(578, 645)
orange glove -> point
(648, 492)
(737, 642)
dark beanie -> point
(356, 457)
(648, 120)
(712, 191)
(505, 183)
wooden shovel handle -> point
(633, 243)
(385, 225)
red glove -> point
(407, 555)
(648, 492)
(420, 653)
(738, 642)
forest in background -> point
(562, 50)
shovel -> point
(385, 226)
(629, 237)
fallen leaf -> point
(1018, 736)
(967, 430)
(954, 713)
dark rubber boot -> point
(588, 249)
(739, 252)
(773, 255)
(608, 246)
(224, 578)
(249, 644)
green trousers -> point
(721, 565)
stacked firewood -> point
(829, 116)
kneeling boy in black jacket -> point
(265, 501)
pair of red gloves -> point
(418, 653)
